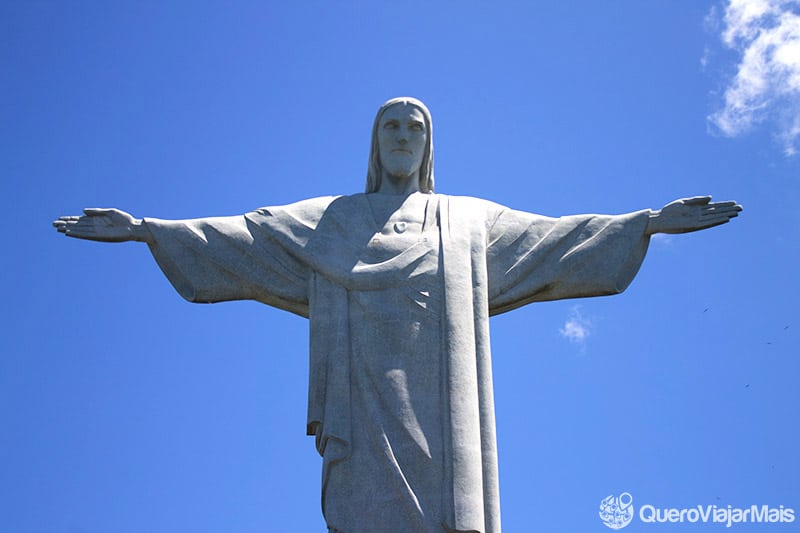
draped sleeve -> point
(533, 258)
(256, 256)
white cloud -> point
(766, 86)
(705, 58)
(661, 240)
(577, 328)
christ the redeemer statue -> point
(398, 285)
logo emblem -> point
(616, 512)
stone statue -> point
(398, 285)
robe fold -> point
(400, 384)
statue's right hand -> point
(106, 225)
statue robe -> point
(400, 385)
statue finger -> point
(80, 233)
(727, 208)
(724, 211)
(710, 222)
(64, 222)
(720, 205)
(81, 227)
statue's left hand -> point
(692, 214)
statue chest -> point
(398, 226)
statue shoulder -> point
(305, 213)
(310, 208)
(473, 205)
(310, 204)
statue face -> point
(402, 137)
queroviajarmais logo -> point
(616, 512)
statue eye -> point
(391, 125)
(416, 126)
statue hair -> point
(426, 168)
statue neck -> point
(399, 185)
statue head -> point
(375, 168)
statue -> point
(398, 285)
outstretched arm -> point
(105, 225)
(691, 214)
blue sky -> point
(123, 408)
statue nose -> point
(402, 140)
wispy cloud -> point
(661, 240)
(766, 86)
(577, 328)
